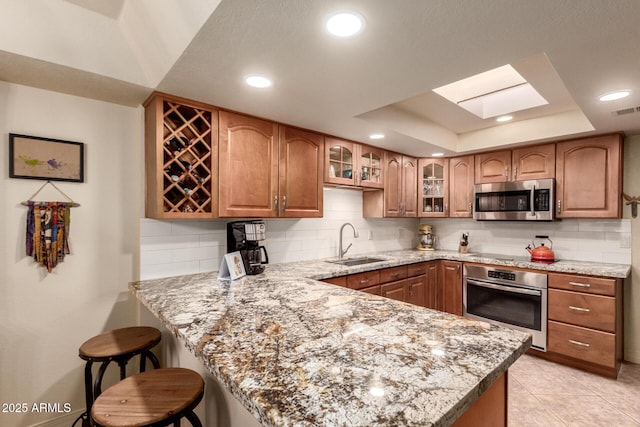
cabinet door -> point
(181, 157)
(417, 290)
(461, 178)
(370, 167)
(431, 297)
(589, 177)
(433, 187)
(493, 167)
(248, 166)
(409, 187)
(393, 185)
(535, 162)
(452, 283)
(340, 160)
(394, 290)
(300, 170)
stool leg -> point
(123, 368)
(193, 419)
(97, 386)
(88, 394)
(152, 357)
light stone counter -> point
(298, 352)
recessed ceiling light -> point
(504, 119)
(376, 136)
(612, 96)
(437, 154)
(260, 82)
(345, 24)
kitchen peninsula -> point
(296, 351)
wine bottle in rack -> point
(174, 171)
(188, 184)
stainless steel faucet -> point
(355, 234)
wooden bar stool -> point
(154, 398)
(119, 345)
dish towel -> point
(48, 232)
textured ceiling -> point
(574, 50)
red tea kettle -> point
(541, 253)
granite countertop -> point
(300, 352)
(321, 269)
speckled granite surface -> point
(298, 352)
(321, 269)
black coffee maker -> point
(245, 236)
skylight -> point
(493, 93)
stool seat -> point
(157, 397)
(119, 342)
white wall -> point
(45, 317)
(632, 284)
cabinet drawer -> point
(340, 281)
(582, 343)
(577, 308)
(592, 285)
(392, 274)
(363, 280)
(416, 269)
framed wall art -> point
(33, 157)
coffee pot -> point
(245, 237)
(426, 238)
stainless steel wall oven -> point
(511, 298)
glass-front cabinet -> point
(433, 187)
(349, 163)
(370, 168)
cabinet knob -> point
(559, 206)
(275, 204)
(506, 172)
(515, 172)
(284, 203)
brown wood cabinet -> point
(300, 186)
(585, 327)
(267, 170)
(589, 177)
(433, 188)
(432, 279)
(531, 162)
(353, 164)
(450, 287)
(461, 180)
(181, 158)
(400, 187)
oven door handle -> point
(505, 288)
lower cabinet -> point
(432, 284)
(449, 291)
(585, 327)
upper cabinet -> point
(181, 149)
(248, 166)
(589, 177)
(349, 163)
(400, 187)
(532, 162)
(461, 179)
(267, 170)
(301, 172)
(433, 187)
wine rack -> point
(181, 149)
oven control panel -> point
(504, 275)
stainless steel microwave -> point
(514, 201)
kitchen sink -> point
(350, 262)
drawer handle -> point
(582, 285)
(364, 281)
(586, 310)
(395, 274)
(581, 344)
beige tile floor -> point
(543, 393)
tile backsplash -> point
(573, 239)
(171, 248)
